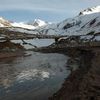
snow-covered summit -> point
(91, 10)
(30, 25)
(37, 22)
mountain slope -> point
(95, 9)
(83, 23)
(4, 22)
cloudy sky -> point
(48, 10)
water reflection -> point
(35, 77)
(32, 74)
(7, 75)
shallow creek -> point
(35, 77)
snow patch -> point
(95, 9)
(23, 25)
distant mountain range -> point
(86, 22)
(30, 25)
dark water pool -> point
(35, 77)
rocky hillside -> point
(88, 21)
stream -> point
(35, 77)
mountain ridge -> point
(85, 23)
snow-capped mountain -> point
(30, 25)
(4, 22)
(37, 23)
(86, 22)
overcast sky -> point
(48, 10)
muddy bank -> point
(11, 54)
(83, 83)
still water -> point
(34, 77)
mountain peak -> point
(37, 22)
(91, 10)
